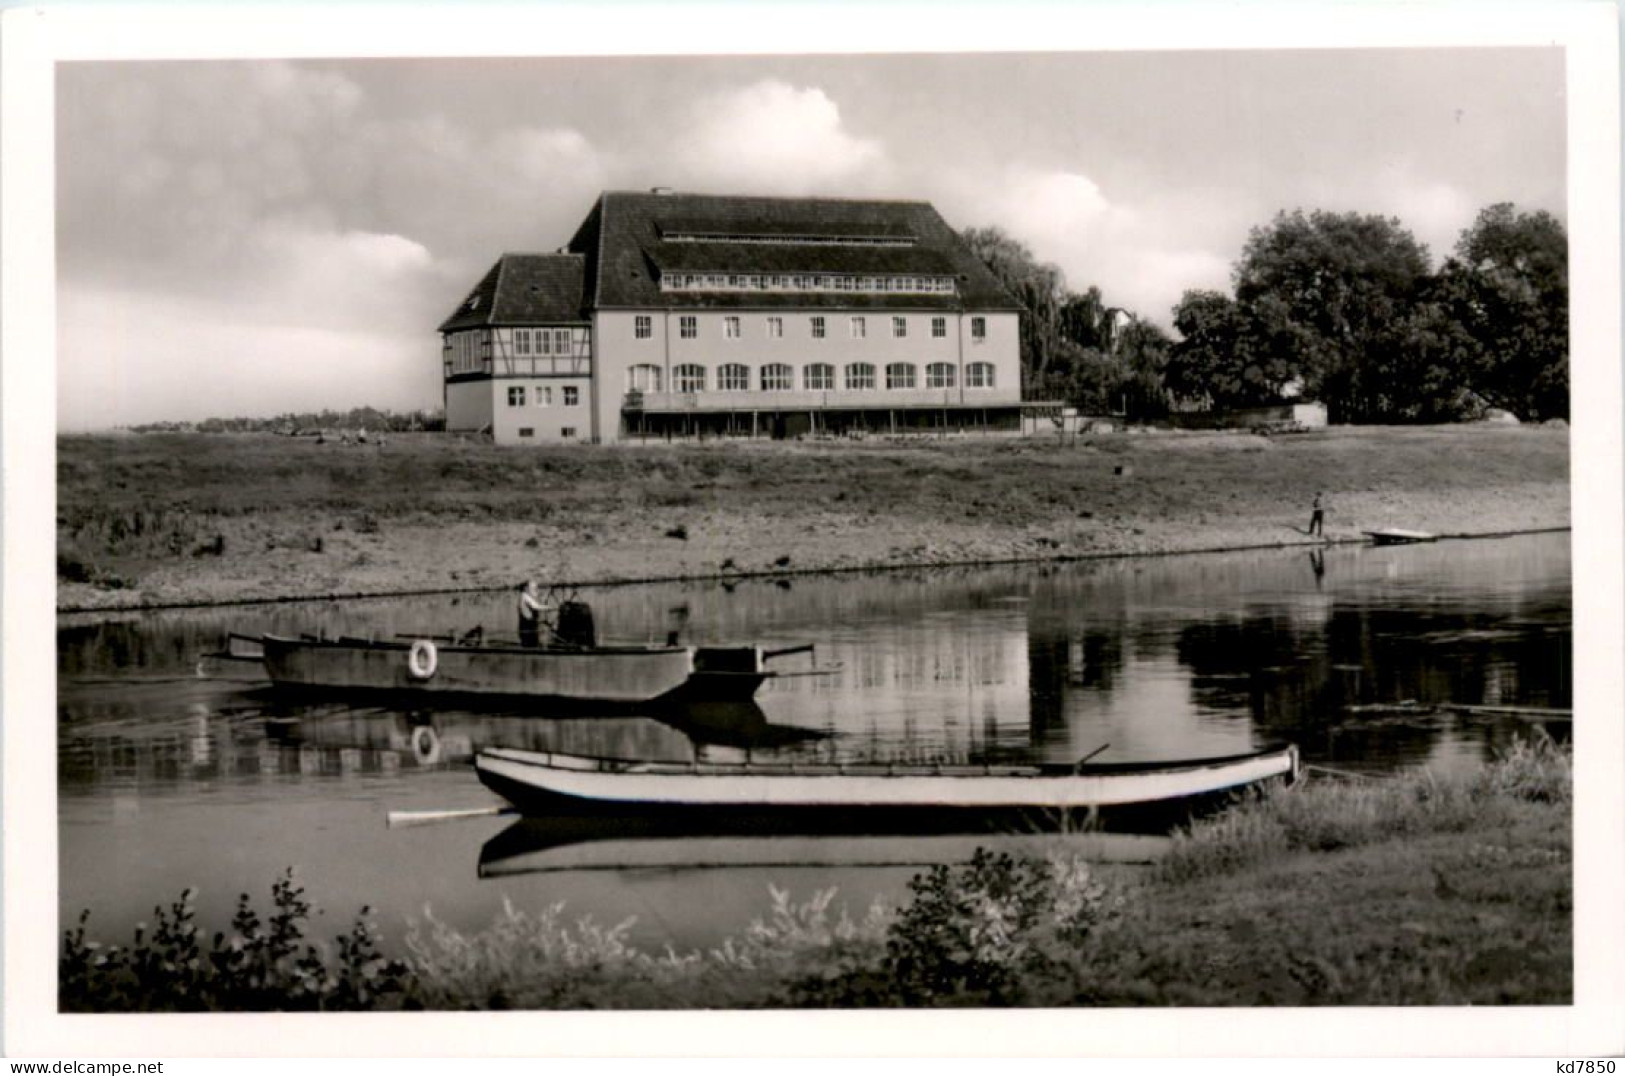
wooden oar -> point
(402, 819)
(1090, 755)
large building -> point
(693, 315)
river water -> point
(167, 781)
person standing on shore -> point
(1317, 517)
(530, 614)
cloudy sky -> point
(254, 237)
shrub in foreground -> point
(261, 965)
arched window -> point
(860, 375)
(900, 375)
(689, 377)
(778, 377)
(733, 377)
(818, 376)
(979, 375)
(643, 378)
(939, 375)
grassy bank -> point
(1415, 891)
(178, 519)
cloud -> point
(1143, 257)
(1436, 212)
(773, 138)
(242, 218)
(131, 357)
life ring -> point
(425, 746)
(422, 659)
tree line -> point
(1343, 308)
(356, 418)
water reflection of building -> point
(948, 687)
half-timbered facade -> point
(690, 315)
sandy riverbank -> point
(147, 521)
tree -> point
(1040, 287)
(1142, 350)
(1508, 290)
(1324, 295)
(1228, 356)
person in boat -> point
(530, 614)
(1317, 517)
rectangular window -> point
(978, 329)
(899, 327)
(521, 341)
(860, 328)
(818, 376)
(568, 431)
(733, 377)
(689, 378)
(643, 327)
(544, 396)
(860, 375)
(561, 341)
(939, 328)
(775, 328)
(544, 342)
(730, 328)
(527, 431)
(688, 327)
(572, 396)
(818, 328)
(516, 396)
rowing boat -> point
(550, 782)
(1400, 536)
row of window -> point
(838, 282)
(570, 395)
(807, 240)
(566, 432)
(688, 327)
(815, 377)
(543, 341)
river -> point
(167, 781)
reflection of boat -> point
(533, 845)
(454, 736)
(600, 675)
(557, 782)
(1400, 536)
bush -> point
(1328, 815)
(263, 965)
(985, 933)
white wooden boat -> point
(1400, 536)
(548, 782)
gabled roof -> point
(525, 289)
(628, 237)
